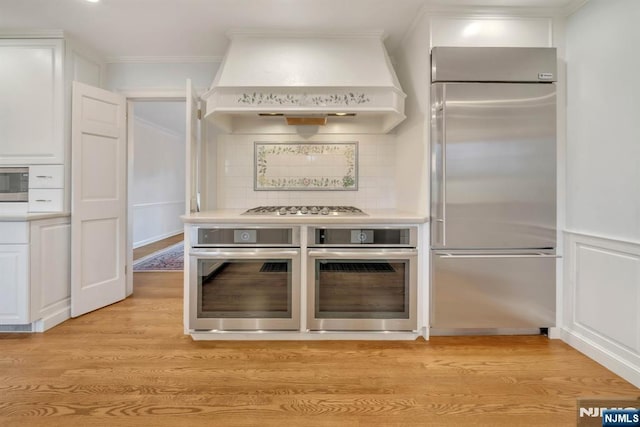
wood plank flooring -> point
(130, 364)
(143, 251)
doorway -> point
(157, 175)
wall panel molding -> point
(601, 301)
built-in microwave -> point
(14, 184)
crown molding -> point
(163, 59)
(257, 32)
(500, 11)
(16, 33)
(574, 6)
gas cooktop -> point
(306, 210)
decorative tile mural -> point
(341, 99)
(306, 166)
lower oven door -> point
(245, 289)
(366, 290)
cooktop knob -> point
(324, 211)
(282, 211)
(314, 210)
(304, 210)
(293, 210)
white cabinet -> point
(46, 188)
(31, 101)
(35, 108)
(34, 274)
(14, 284)
(46, 176)
(49, 272)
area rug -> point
(167, 259)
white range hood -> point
(336, 83)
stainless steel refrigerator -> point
(493, 190)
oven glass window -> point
(244, 288)
(358, 289)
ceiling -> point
(120, 29)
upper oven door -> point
(352, 290)
(245, 289)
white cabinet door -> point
(14, 284)
(50, 279)
(31, 101)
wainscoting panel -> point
(156, 221)
(602, 301)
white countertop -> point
(233, 216)
(33, 216)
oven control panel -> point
(399, 237)
(362, 236)
(258, 236)
(245, 236)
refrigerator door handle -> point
(444, 168)
(438, 134)
(521, 255)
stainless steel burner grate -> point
(306, 210)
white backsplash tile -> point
(376, 170)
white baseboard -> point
(156, 238)
(54, 319)
(603, 356)
(302, 336)
(57, 316)
(555, 333)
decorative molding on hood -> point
(303, 75)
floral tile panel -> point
(306, 166)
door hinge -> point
(199, 114)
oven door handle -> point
(371, 253)
(244, 254)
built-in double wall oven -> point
(246, 278)
(362, 279)
(250, 278)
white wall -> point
(158, 182)
(412, 136)
(127, 76)
(235, 165)
(602, 285)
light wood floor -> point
(130, 364)
(143, 251)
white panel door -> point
(192, 151)
(98, 201)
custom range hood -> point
(332, 83)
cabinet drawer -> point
(49, 200)
(46, 176)
(14, 232)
